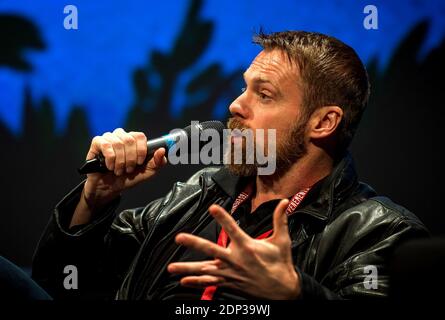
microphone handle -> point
(97, 164)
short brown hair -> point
(331, 74)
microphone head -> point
(213, 124)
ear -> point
(324, 121)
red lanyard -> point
(223, 237)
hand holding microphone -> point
(124, 155)
(120, 160)
(99, 163)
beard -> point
(289, 149)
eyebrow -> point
(261, 80)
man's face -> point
(271, 100)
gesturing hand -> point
(261, 268)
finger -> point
(194, 267)
(101, 145)
(156, 162)
(159, 159)
(130, 148)
(141, 146)
(235, 233)
(280, 229)
(201, 281)
(119, 150)
(209, 248)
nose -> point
(238, 107)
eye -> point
(263, 96)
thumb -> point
(280, 229)
(152, 166)
(157, 161)
(148, 170)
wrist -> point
(85, 209)
(82, 214)
(95, 197)
(295, 289)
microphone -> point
(97, 164)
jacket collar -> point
(321, 200)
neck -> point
(303, 174)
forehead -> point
(272, 65)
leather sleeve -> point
(363, 271)
(101, 251)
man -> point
(332, 241)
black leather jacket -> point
(340, 228)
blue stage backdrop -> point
(155, 65)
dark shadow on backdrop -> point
(17, 34)
(395, 148)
